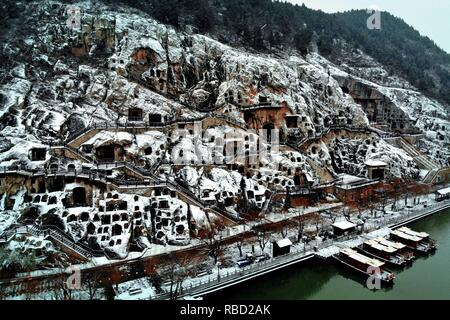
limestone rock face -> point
(96, 35)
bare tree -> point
(283, 227)
(317, 221)
(92, 282)
(346, 213)
(240, 240)
(175, 267)
(212, 238)
(396, 187)
(263, 236)
(371, 204)
(406, 198)
(239, 245)
(242, 202)
(61, 289)
(382, 199)
(360, 208)
(287, 201)
(299, 224)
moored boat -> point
(365, 265)
(402, 249)
(382, 252)
(431, 243)
(413, 241)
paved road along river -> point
(427, 278)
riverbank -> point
(427, 278)
(232, 276)
(209, 284)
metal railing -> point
(15, 168)
(308, 251)
(358, 184)
(130, 125)
(211, 282)
(415, 212)
(147, 125)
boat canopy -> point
(406, 236)
(380, 247)
(444, 192)
(361, 258)
(414, 233)
(396, 245)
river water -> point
(427, 278)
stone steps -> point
(419, 157)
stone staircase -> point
(431, 175)
(71, 153)
(9, 234)
(63, 240)
(76, 140)
(55, 235)
(266, 205)
(421, 159)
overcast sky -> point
(429, 17)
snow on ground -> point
(427, 114)
(351, 157)
(295, 212)
(110, 137)
(70, 98)
(139, 289)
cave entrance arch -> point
(135, 114)
(38, 154)
(79, 196)
(345, 90)
(106, 153)
(116, 230)
(154, 118)
(90, 229)
(297, 180)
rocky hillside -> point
(266, 25)
(57, 80)
(141, 80)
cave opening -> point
(345, 90)
(148, 151)
(79, 196)
(135, 114)
(292, 122)
(55, 184)
(38, 154)
(155, 118)
(105, 153)
(116, 230)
